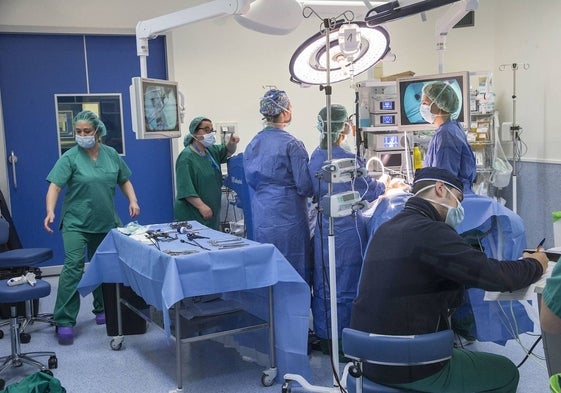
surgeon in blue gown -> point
(350, 232)
(448, 148)
(276, 170)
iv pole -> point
(515, 132)
(327, 26)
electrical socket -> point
(225, 129)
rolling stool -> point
(23, 293)
(22, 259)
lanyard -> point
(208, 157)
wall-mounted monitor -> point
(155, 108)
(409, 93)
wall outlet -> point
(226, 127)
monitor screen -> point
(410, 94)
(155, 108)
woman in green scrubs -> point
(89, 171)
(198, 174)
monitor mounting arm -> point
(443, 25)
(151, 28)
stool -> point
(23, 258)
(13, 295)
(393, 351)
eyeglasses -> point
(208, 130)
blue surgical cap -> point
(93, 120)
(438, 174)
(273, 103)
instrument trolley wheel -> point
(53, 362)
(286, 387)
(2, 384)
(116, 343)
(268, 377)
(49, 372)
(24, 338)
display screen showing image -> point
(160, 107)
(410, 92)
(391, 141)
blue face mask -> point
(86, 142)
(209, 139)
(454, 215)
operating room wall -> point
(222, 69)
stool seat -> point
(22, 257)
(23, 292)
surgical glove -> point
(539, 256)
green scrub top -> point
(196, 176)
(552, 291)
(88, 204)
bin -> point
(555, 383)
(556, 216)
(132, 323)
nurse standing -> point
(448, 148)
(276, 170)
(350, 232)
(198, 174)
(89, 171)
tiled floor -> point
(146, 363)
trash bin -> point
(132, 323)
(556, 216)
(555, 383)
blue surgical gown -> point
(350, 242)
(449, 149)
(276, 170)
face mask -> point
(426, 114)
(87, 142)
(455, 215)
(209, 140)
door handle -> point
(12, 159)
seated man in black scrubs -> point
(414, 274)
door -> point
(35, 67)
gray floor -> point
(146, 362)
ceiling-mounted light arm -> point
(151, 28)
(394, 10)
(443, 25)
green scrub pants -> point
(67, 303)
(471, 372)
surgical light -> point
(308, 65)
(277, 17)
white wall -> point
(223, 67)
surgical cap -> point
(443, 95)
(338, 119)
(273, 103)
(93, 120)
(195, 123)
(438, 174)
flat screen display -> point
(410, 94)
